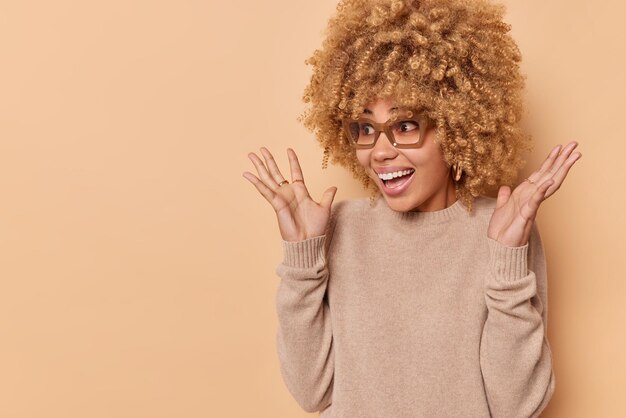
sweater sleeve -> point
(515, 356)
(304, 338)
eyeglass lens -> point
(402, 131)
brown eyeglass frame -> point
(422, 119)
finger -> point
(265, 191)
(546, 164)
(271, 164)
(327, 197)
(559, 177)
(294, 164)
(503, 196)
(296, 175)
(262, 170)
(563, 156)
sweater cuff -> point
(508, 263)
(304, 254)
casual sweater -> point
(414, 314)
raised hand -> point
(299, 216)
(515, 212)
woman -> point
(431, 299)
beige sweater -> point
(418, 314)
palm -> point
(515, 212)
(299, 216)
(513, 219)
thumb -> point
(503, 196)
(328, 196)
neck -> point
(442, 200)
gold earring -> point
(458, 170)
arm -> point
(304, 338)
(515, 356)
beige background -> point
(137, 264)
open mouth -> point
(396, 179)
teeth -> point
(389, 176)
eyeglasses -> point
(404, 130)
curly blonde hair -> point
(454, 59)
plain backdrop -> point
(137, 265)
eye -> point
(367, 129)
(406, 126)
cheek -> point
(363, 157)
(430, 156)
(431, 162)
(418, 157)
(438, 168)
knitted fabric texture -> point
(418, 314)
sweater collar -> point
(451, 212)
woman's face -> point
(427, 185)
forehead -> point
(390, 113)
(380, 103)
(370, 112)
(384, 107)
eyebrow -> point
(369, 112)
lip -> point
(398, 190)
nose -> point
(383, 150)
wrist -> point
(508, 241)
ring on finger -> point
(530, 181)
(297, 180)
(283, 183)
